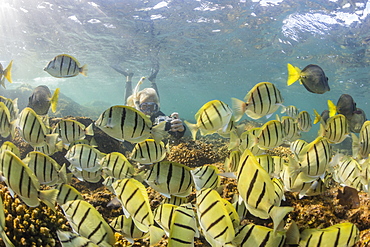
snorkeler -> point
(147, 101)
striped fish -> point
(6, 73)
(343, 234)
(170, 179)
(6, 126)
(149, 151)
(127, 123)
(11, 147)
(46, 169)
(70, 239)
(304, 121)
(127, 228)
(88, 222)
(175, 200)
(117, 166)
(206, 177)
(3, 235)
(91, 177)
(12, 106)
(270, 135)
(291, 110)
(214, 218)
(63, 66)
(183, 227)
(262, 100)
(348, 172)
(84, 157)
(257, 190)
(163, 215)
(291, 130)
(278, 166)
(234, 216)
(71, 130)
(297, 146)
(315, 187)
(135, 203)
(212, 117)
(232, 162)
(33, 130)
(255, 235)
(240, 208)
(20, 180)
(50, 148)
(314, 157)
(67, 193)
(248, 140)
(335, 129)
(267, 163)
(362, 144)
(279, 191)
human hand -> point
(176, 123)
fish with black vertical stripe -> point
(84, 157)
(70, 130)
(117, 166)
(70, 239)
(64, 66)
(149, 151)
(206, 176)
(270, 135)
(127, 228)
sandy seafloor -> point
(37, 226)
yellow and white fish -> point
(83, 175)
(270, 135)
(12, 107)
(348, 172)
(33, 130)
(214, 218)
(232, 162)
(163, 216)
(67, 193)
(22, 181)
(267, 163)
(63, 66)
(291, 110)
(127, 228)
(135, 203)
(6, 73)
(291, 130)
(257, 190)
(50, 148)
(343, 234)
(84, 157)
(70, 239)
(125, 123)
(212, 117)
(262, 100)
(71, 130)
(88, 222)
(117, 166)
(361, 144)
(7, 127)
(3, 235)
(335, 129)
(170, 179)
(11, 147)
(304, 121)
(206, 176)
(297, 146)
(149, 151)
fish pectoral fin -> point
(156, 235)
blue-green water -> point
(206, 49)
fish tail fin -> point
(292, 234)
(234, 140)
(6, 239)
(238, 107)
(8, 72)
(158, 131)
(277, 214)
(317, 117)
(293, 74)
(83, 70)
(52, 139)
(193, 128)
(156, 235)
(54, 100)
(49, 197)
(332, 108)
(63, 173)
(59, 146)
(89, 130)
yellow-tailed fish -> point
(41, 100)
(84, 157)
(291, 130)
(116, 165)
(345, 106)
(82, 175)
(149, 151)
(257, 190)
(125, 123)
(11, 147)
(335, 129)
(312, 77)
(127, 228)
(135, 203)
(343, 234)
(67, 193)
(206, 176)
(183, 227)
(33, 130)
(12, 107)
(70, 239)
(46, 169)
(291, 110)
(20, 180)
(88, 222)
(255, 235)
(163, 215)
(7, 127)
(213, 116)
(297, 146)
(63, 66)
(6, 73)
(304, 121)
(3, 235)
(270, 135)
(232, 162)
(214, 218)
(71, 130)
(262, 100)
(170, 179)
(361, 145)
(348, 172)
(357, 120)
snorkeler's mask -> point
(149, 108)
